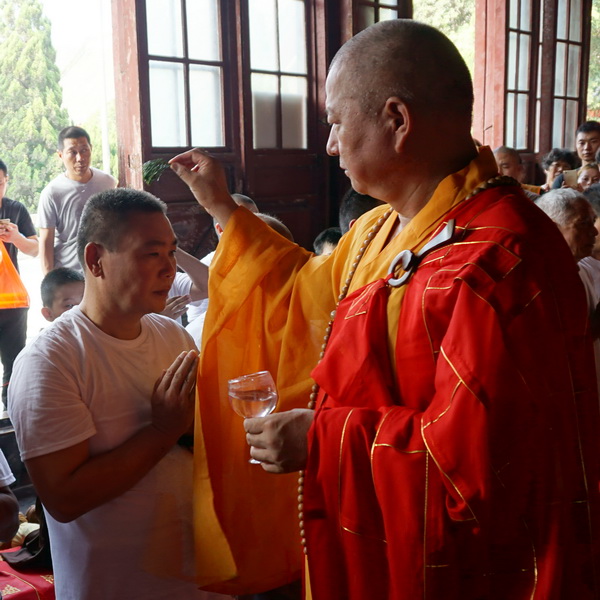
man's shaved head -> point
(246, 201)
(410, 60)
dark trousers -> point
(13, 334)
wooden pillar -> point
(127, 93)
(490, 66)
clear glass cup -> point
(253, 395)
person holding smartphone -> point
(17, 233)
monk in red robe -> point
(453, 447)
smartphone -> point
(570, 178)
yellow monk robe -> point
(270, 302)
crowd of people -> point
(436, 433)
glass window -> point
(525, 24)
(559, 72)
(571, 123)
(558, 123)
(167, 104)
(294, 98)
(206, 99)
(513, 14)
(263, 35)
(186, 87)
(265, 92)
(164, 28)
(510, 120)
(575, 33)
(524, 59)
(522, 120)
(562, 18)
(573, 70)
(366, 17)
(292, 36)
(278, 51)
(511, 65)
(203, 27)
(387, 14)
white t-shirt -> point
(74, 383)
(182, 285)
(60, 207)
(195, 325)
(6, 476)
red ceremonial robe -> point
(466, 467)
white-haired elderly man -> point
(576, 218)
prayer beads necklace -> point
(315, 388)
(500, 180)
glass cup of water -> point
(253, 395)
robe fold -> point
(454, 452)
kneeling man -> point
(99, 402)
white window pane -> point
(562, 18)
(292, 36)
(513, 14)
(203, 27)
(263, 35)
(573, 71)
(524, 62)
(163, 19)
(265, 91)
(387, 14)
(510, 120)
(366, 17)
(575, 23)
(525, 24)
(511, 67)
(521, 122)
(294, 98)
(167, 104)
(206, 112)
(558, 125)
(571, 123)
(559, 71)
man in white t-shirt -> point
(63, 199)
(100, 399)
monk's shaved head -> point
(409, 60)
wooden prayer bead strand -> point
(490, 183)
(315, 388)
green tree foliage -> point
(456, 18)
(593, 99)
(30, 100)
(93, 127)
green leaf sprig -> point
(153, 169)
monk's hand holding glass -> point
(253, 395)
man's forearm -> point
(74, 491)
(46, 248)
(29, 246)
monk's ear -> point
(93, 255)
(399, 119)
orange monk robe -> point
(270, 302)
